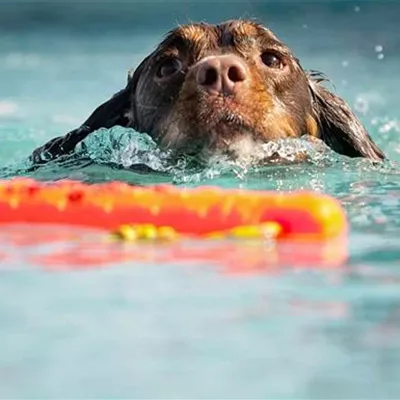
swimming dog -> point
(226, 88)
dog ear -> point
(338, 126)
(116, 111)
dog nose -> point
(221, 74)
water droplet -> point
(381, 56)
(378, 48)
(392, 125)
(361, 105)
(305, 26)
(374, 121)
(357, 9)
(345, 63)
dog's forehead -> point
(187, 34)
(243, 28)
(222, 33)
(194, 32)
(245, 32)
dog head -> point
(232, 86)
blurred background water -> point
(190, 330)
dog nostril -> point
(221, 74)
(236, 74)
(210, 77)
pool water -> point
(81, 317)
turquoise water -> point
(150, 323)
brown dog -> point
(224, 88)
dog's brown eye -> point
(271, 60)
(169, 67)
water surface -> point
(197, 321)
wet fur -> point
(178, 115)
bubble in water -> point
(379, 50)
(345, 63)
(357, 8)
(375, 121)
(317, 185)
(389, 126)
(361, 105)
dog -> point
(228, 89)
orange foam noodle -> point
(197, 212)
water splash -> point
(123, 147)
(126, 149)
(124, 154)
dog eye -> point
(271, 60)
(169, 67)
